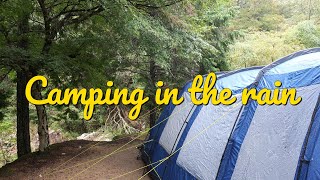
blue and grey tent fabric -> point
(244, 142)
(174, 120)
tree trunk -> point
(23, 133)
(43, 129)
(310, 10)
(23, 121)
(202, 69)
(152, 105)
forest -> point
(134, 43)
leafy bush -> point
(260, 48)
(307, 33)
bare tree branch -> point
(69, 15)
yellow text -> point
(89, 98)
(209, 92)
(266, 96)
(167, 96)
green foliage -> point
(7, 141)
(273, 29)
(134, 44)
(6, 91)
(69, 120)
(261, 48)
(3, 101)
(307, 33)
(264, 15)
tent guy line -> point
(192, 140)
(103, 157)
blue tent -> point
(279, 142)
(172, 126)
(243, 142)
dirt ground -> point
(45, 165)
